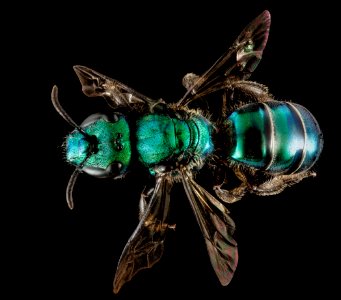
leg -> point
(279, 183)
(144, 198)
(189, 80)
(249, 91)
(235, 194)
(230, 196)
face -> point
(103, 149)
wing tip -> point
(81, 71)
(78, 67)
(116, 288)
(266, 14)
(264, 19)
(119, 281)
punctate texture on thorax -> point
(163, 138)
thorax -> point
(171, 139)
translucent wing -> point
(145, 247)
(217, 228)
(238, 62)
(116, 93)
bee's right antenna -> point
(69, 189)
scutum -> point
(162, 139)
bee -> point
(266, 144)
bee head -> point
(102, 147)
(99, 147)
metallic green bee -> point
(267, 144)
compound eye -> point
(112, 170)
(92, 119)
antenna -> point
(68, 119)
(63, 113)
(69, 189)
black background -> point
(286, 242)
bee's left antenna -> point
(62, 112)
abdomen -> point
(278, 137)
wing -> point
(217, 228)
(145, 247)
(238, 62)
(116, 93)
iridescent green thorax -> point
(161, 138)
(113, 144)
(279, 137)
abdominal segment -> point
(279, 137)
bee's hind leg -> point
(234, 194)
(230, 196)
(261, 185)
(278, 183)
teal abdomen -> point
(279, 137)
(160, 138)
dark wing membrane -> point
(239, 61)
(116, 93)
(145, 247)
(217, 228)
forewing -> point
(217, 228)
(238, 62)
(145, 247)
(116, 93)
